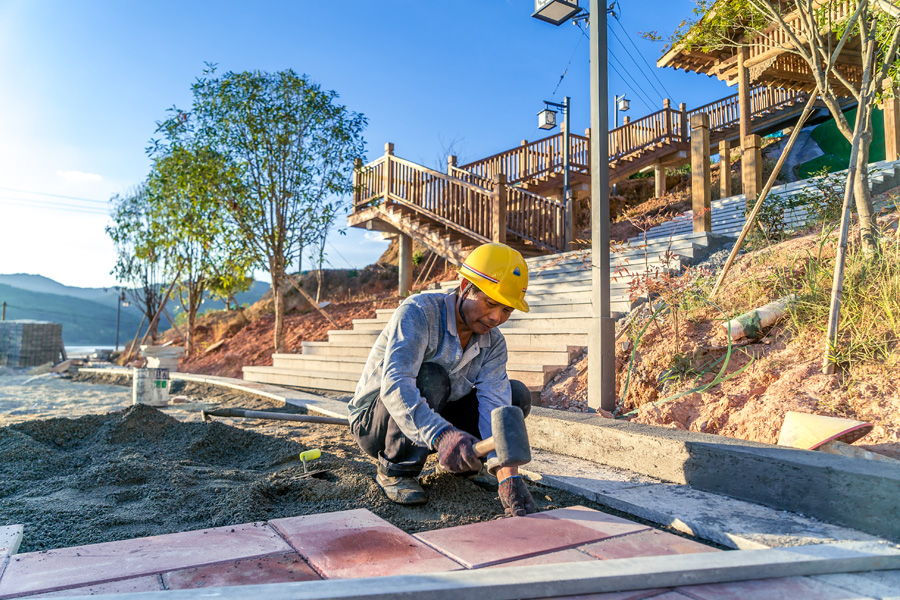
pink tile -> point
(787, 588)
(268, 569)
(36, 572)
(149, 583)
(551, 558)
(632, 595)
(606, 524)
(356, 543)
(482, 544)
(645, 543)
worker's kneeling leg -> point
(521, 396)
(378, 435)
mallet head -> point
(510, 436)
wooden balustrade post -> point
(891, 108)
(451, 164)
(751, 168)
(700, 173)
(724, 169)
(684, 122)
(743, 94)
(659, 180)
(357, 189)
(523, 160)
(499, 199)
(405, 265)
(388, 176)
(667, 104)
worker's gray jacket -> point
(423, 329)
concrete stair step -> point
(313, 363)
(535, 376)
(343, 348)
(322, 380)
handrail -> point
(537, 219)
(533, 159)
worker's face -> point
(482, 313)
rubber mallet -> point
(510, 439)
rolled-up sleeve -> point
(403, 357)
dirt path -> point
(139, 471)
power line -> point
(339, 254)
(638, 67)
(87, 210)
(649, 67)
(637, 89)
(568, 64)
(104, 202)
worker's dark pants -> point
(398, 456)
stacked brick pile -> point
(25, 343)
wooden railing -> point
(534, 159)
(725, 113)
(456, 204)
(535, 218)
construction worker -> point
(436, 372)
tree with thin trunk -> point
(141, 260)
(825, 28)
(292, 145)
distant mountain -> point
(43, 299)
(84, 322)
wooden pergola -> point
(766, 60)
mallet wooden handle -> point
(485, 447)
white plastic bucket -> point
(151, 387)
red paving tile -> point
(632, 595)
(37, 572)
(357, 543)
(551, 558)
(787, 588)
(482, 544)
(149, 583)
(268, 569)
(645, 543)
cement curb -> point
(319, 404)
(844, 491)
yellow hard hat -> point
(500, 272)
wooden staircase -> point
(453, 212)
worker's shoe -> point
(402, 490)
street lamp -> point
(121, 302)
(602, 328)
(547, 120)
(621, 103)
(556, 12)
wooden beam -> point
(743, 93)
(751, 167)
(701, 197)
(724, 169)
(891, 107)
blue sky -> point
(84, 81)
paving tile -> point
(785, 588)
(608, 525)
(268, 569)
(651, 542)
(36, 572)
(659, 594)
(357, 543)
(551, 558)
(482, 544)
(148, 583)
(10, 537)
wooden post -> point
(667, 104)
(891, 107)
(743, 93)
(451, 164)
(3, 316)
(724, 169)
(700, 173)
(405, 264)
(523, 164)
(357, 168)
(684, 122)
(388, 176)
(659, 173)
(751, 167)
(498, 208)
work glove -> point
(515, 497)
(456, 451)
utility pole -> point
(3, 317)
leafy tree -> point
(824, 31)
(141, 260)
(292, 147)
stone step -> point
(313, 363)
(321, 380)
(519, 337)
